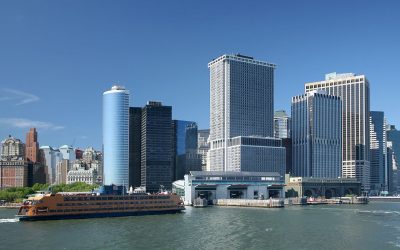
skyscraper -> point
(242, 105)
(49, 158)
(317, 135)
(135, 146)
(393, 167)
(281, 124)
(31, 146)
(393, 145)
(185, 155)
(156, 147)
(116, 136)
(378, 147)
(354, 93)
(203, 146)
(68, 153)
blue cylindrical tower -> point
(116, 136)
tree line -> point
(17, 194)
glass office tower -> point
(354, 92)
(281, 124)
(116, 136)
(186, 158)
(317, 135)
(378, 147)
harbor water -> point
(372, 226)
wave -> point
(379, 212)
(9, 220)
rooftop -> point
(241, 58)
(232, 173)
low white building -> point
(82, 175)
(214, 185)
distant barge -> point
(111, 201)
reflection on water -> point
(372, 226)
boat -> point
(108, 201)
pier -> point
(268, 203)
(385, 198)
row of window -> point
(128, 197)
(105, 209)
(112, 203)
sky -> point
(58, 57)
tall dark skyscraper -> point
(379, 171)
(157, 146)
(135, 138)
(393, 143)
(186, 157)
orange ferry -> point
(93, 205)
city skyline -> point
(55, 88)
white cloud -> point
(17, 96)
(25, 123)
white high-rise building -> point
(354, 91)
(116, 136)
(242, 106)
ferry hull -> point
(94, 215)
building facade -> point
(355, 95)
(378, 147)
(393, 158)
(282, 123)
(317, 135)
(32, 146)
(94, 160)
(185, 154)
(241, 105)
(81, 173)
(203, 146)
(116, 136)
(287, 144)
(49, 158)
(156, 147)
(135, 146)
(215, 185)
(12, 149)
(321, 187)
(68, 153)
(255, 154)
(62, 170)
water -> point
(372, 226)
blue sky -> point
(57, 57)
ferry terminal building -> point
(214, 185)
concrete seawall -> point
(270, 203)
(385, 198)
